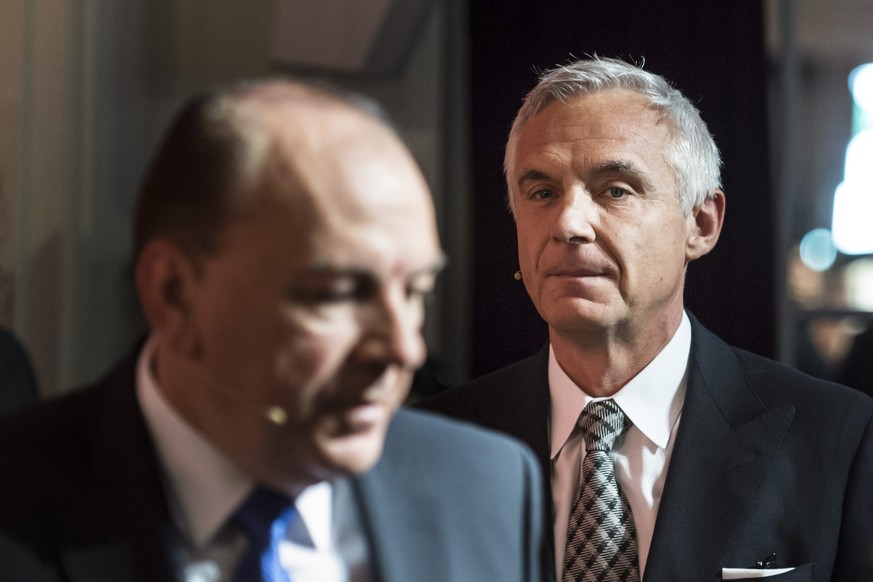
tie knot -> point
(602, 422)
(261, 511)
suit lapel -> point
(523, 410)
(122, 525)
(725, 439)
(380, 526)
(400, 538)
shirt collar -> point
(205, 492)
(652, 400)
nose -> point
(395, 330)
(575, 216)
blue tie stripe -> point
(264, 518)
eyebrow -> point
(625, 168)
(324, 268)
(532, 176)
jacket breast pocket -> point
(802, 573)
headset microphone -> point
(274, 414)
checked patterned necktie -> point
(601, 538)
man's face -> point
(314, 303)
(601, 236)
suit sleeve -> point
(854, 560)
(18, 562)
(538, 552)
(18, 388)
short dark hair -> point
(185, 189)
(213, 151)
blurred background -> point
(88, 86)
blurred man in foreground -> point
(672, 456)
(285, 244)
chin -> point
(354, 454)
(579, 315)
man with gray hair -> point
(672, 456)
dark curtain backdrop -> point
(713, 52)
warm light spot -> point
(853, 208)
(859, 283)
(861, 85)
(853, 198)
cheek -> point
(654, 257)
(529, 246)
(234, 318)
(313, 355)
(300, 360)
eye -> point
(617, 192)
(335, 292)
(541, 194)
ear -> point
(705, 225)
(166, 280)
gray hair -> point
(692, 153)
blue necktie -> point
(263, 517)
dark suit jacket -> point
(766, 460)
(81, 497)
(858, 367)
(17, 382)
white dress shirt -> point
(652, 400)
(204, 489)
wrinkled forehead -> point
(622, 115)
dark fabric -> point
(82, 497)
(448, 503)
(858, 367)
(514, 400)
(766, 460)
(17, 383)
(86, 499)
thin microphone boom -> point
(274, 414)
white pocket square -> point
(749, 573)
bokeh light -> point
(817, 250)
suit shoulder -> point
(47, 450)
(57, 437)
(772, 382)
(775, 382)
(42, 428)
(439, 431)
(515, 380)
(474, 495)
(443, 440)
(70, 413)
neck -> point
(239, 430)
(602, 361)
